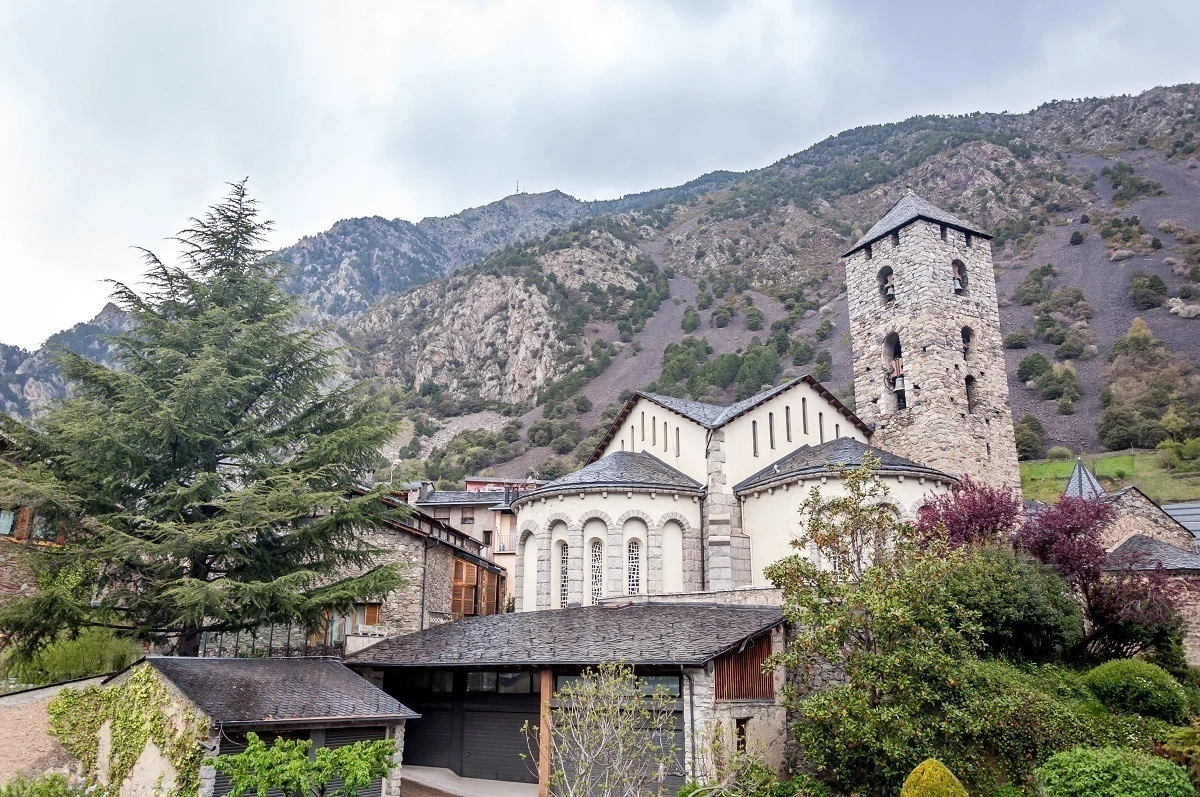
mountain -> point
(470, 320)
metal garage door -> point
(493, 745)
(427, 740)
(339, 737)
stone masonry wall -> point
(936, 428)
(726, 546)
(1137, 514)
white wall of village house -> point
(772, 516)
(643, 431)
(613, 517)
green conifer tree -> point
(206, 483)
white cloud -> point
(120, 119)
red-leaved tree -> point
(1128, 611)
(973, 514)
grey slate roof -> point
(714, 416)
(689, 634)
(1187, 515)
(456, 497)
(909, 208)
(1140, 552)
(621, 470)
(817, 459)
(276, 691)
(1082, 483)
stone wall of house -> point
(726, 546)
(937, 428)
(391, 783)
(16, 577)
(1137, 514)
(429, 572)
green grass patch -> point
(1044, 480)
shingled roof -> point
(1187, 515)
(817, 460)
(456, 497)
(910, 208)
(620, 470)
(300, 692)
(675, 634)
(1083, 483)
(1140, 552)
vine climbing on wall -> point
(136, 711)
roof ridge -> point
(910, 207)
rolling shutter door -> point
(427, 740)
(340, 737)
(493, 745)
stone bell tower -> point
(925, 331)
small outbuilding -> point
(181, 712)
(478, 681)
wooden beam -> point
(544, 735)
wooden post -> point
(544, 735)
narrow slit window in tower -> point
(754, 436)
(676, 441)
(895, 238)
(821, 426)
(943, 230)
(804, 414)
(665, 438)
(967, 337)
(771, 429)
(787, 422)
(893, 358)
(970, 394)
(653, 431)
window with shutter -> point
(462, 599)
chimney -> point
(424, 492)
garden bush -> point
(1111, 772)
(931, 778)
(1182, 747)
(1138, 687)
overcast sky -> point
(118, 120)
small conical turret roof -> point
(1083, 483)
(908, 209)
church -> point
(688, 497)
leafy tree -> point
(607, 736)
(691, 320)
(1030, 437)
(202, 484)
(802, 352)
(1032, 366)
(1077, 238)
(91, 652)
(754, 319)
(287, 767)
(1128, 613)
(822, 366)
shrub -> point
(49, 785)
(824, 330)
(754, 319)
(932, 779)
(1018, 338)
(1031, 437)
(1076, 238)
(802, 352)
(822, 366)
(1059, 452)
(704, 300)
(1059, 382)
(691, 320)
(1066, 406)
(1138, 687)
(1111, 772)
(1147, 290)
(721, 316)
(1182, 747)
(93, 651)
(1032, 366)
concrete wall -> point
(772, 516)
(613, 517)
(936, 428)
(26, 746)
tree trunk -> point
(189, 642)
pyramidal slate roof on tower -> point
(1083, 483)
(910, 208)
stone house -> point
(483, 511)
(214, 703)
(685, 496)
(478, 681)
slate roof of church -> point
(1187, 515)
(1140, 552)
(817, 460)
(910, 208)
(673, 634)
(620, 470)
(1083, 483)
(276, 691)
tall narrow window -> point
(564, 570)
(837, 431)
(632, 439)
(771, 429)
(787, 422)
(622, 443)
(676, 441)
(804, 414)
(754, 436)
(643, 426)
(887, 283)
(597, 570)
(968, 240)
(959, 275)
(653, 431)
(868, 251)
(943, 232)
(664, 435)
(967, 336)
(896, 238)
(821, 426)
(634, 573)
(970, 394)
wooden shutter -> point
(462, 600)
(371, 614)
